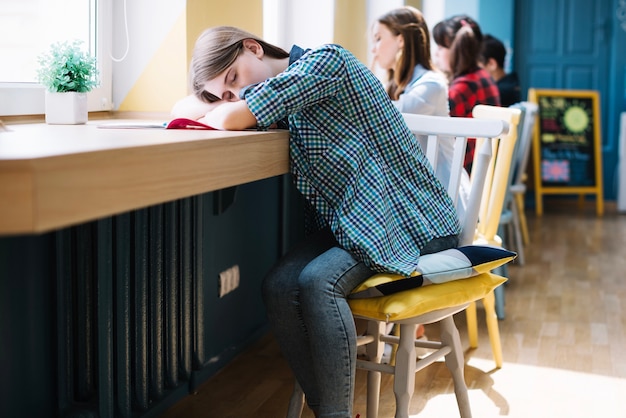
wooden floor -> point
(564, 339)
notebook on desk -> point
(178, 123)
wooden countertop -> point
(54, 176)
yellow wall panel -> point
(415, 3)
(164, 80)
(203, 14)
(350, 28)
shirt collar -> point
(296, 53)
(418, 72)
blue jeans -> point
(305, 296)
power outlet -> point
(229, 280)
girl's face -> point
(248, 68)
(386, 46)
(442, 58)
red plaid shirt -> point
(467, 91)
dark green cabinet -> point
(121, 317)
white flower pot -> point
(68, 108)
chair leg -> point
(492, 325)
(472, 325)
(394, 347)
(374, 352)
(373, 394)
(499, 292)
(493, 328)
(517, 235)
(296, 403)
(499, 302)
(404, 377)
(511, 234)
(519, 202)
(455, 363)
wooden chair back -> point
(497, 180)
(438, 128)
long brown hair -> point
(408, 22)
(215, 50)
(462, 35)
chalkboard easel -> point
(566, 145)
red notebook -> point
(184, 123)
(178, 123)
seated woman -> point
(414, 84)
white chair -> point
(513, 226)
(518, 184)
(496, 189)
(436, 303)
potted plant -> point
(68, 73)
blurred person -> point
(459, 45)
(493, 57)
(402, 48)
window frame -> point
(19, 99)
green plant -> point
(66, 67)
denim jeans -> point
(305, 296)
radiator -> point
(129, 294)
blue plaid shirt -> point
(354, 159)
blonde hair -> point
(215, 50)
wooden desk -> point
(112, 243)
(53, 176)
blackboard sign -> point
(566, 145)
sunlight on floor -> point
(520, 391)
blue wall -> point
(497, 17)
(617, 97)
(494, 16)
(469, 7)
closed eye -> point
(231, 76)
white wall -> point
(149, 22)
(310, 26)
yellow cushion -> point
(444, 266)
(418, 301)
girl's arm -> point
(191, 107)
(231, 116)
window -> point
(282, 22)
(28, 27)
